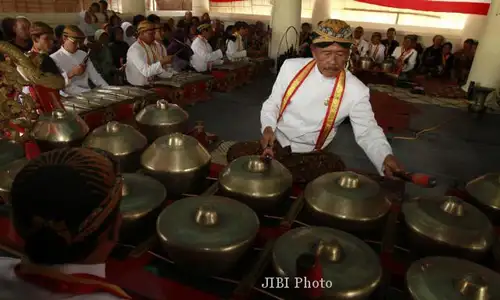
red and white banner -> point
(476, 7)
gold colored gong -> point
(486, 190)
(449, 278)
(140, 196)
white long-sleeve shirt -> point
(235, 49)
(138, 71)
(362, 45)
(409, 59)
(203, 55)
(79, 84)
(14, 288)
(377, 52)
(302, 120)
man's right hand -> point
(267, 141)
(166, 60)
(77, 71)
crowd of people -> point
(105, 50)
(437, 60)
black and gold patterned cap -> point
(333, 31)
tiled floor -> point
(460, 150)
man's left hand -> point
(391, 165)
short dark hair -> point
(377, 34)
(154, 19)
(448, 44)
(103, 2)
(138, 19)
(469, 41)
(391, 29)
(58, 31)
(240, 25)
(96, 5)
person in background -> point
(8, 28)
(180, 50)
(205, 18)
(143, 63)
(154, 19)
(167, 34)
(103, 9)
(129, 33)
(69, 230)
(22, 39)
(42, 36)
(235, 49)
(474, 48)
(305, 40)
(171, 23)
(406, 57)
(58, 31)
(259, 41)
(204, 56)
(360, 47)
(161, 50)
(102, 58)
(75, 63)
(136, 20)
(390, 42)
(115, 20)
(89, 22)
(447, 61)
(376, 50)
(118, 47)
(432, 57)
(192, 32)
(196, 22)
(463, 61)
(217, 39)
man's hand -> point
(391, 165)
(267, 141)
(77, 71)
(166, 60)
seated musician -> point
(235, 48)
(101, 56)
(75, 63)
(432, 57)
(376, 50)
(161, 50)
(42, 36)
(129, 33)
(390, 42)
(312, 96)
(180, 50)
(143, 63)
(447, 61)
(68, 229)
(463, 61)
(204, 56)
(21, 30)
(360, 47)
(406, 56)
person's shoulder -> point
(292, 64)
(56, 54)
(355, 85)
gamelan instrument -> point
(231, 75)
(185, 87)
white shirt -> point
(235, 49)
(203, 55)
(302, 120)
(67, 61)
(377, 52)
(14, 288)
(411, 56)
(362, 46)
(138, 71)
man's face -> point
(71, 44)
(159, 34)
(207, 34)
(358, 33)
(375, 39)
(446, 49)
(330, 60)
(148, 36)
(188, 16)
(44, 43)
(104, 6)
(22, 29)
(407, 43)
(438, 41)
(467, 47)
(391, 34)
(244, 31)
(104, 39)
(130, 31)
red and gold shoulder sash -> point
(61, 283)
(333, 104)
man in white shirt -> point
(376, 50)
(204, 57)
(75, 63)
(406, 56)
(235, 48)
(69, 230)
(311, 97)
(143, 61)
(360, 47)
